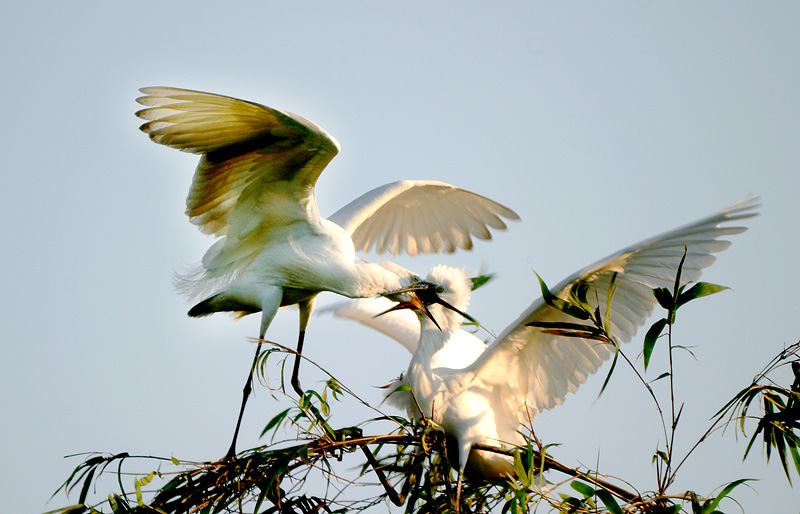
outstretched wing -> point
(402, 325)
(258, 166)
(420, 216)
(537, 370)
(459, 351)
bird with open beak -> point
(529, 368)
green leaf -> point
(579, 291)
(86, 484)
(680, 270)
(480, 281)
(569, 330)
(660, 455)
(659, 377)
(582, 488)
(519, 469)
(559, 304)
(795, 458)
(275, 422)
(609, 501)
(725, 492)
(138, 486)
(650, 339)
(664, 298)
(610, 371)
(698, 290)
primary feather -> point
(526, 370)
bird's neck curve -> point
(425, 382)
(370, 279)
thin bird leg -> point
(306, 307)
(390, 492)
(295, 381)
(248, 388)
(411, 479)
(270, 301)
(458, 491)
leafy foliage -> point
(778, 421)
(413, 457)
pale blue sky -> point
(599, 124)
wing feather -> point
(245, 147)
(451, 217)
(547, 367)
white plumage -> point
(525, 370)
(254, 189)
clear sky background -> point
(601, 124)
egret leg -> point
(458, 491)
(270, 301)
(397, 499)
(248, 387)
(306, 308)
(411, 479)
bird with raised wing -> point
(254, 190)
(527, 368)
(459, 351)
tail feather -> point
(222, 302)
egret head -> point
(442, 296)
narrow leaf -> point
(582, 488)
(680, 270)
(559, 304)
(664, 298)
(275, 422)
(86, 484)
(650, 339)
(609, 501)
(726, 491)
(698, 290)
(480, 280)
(610, 371)
(519, 469)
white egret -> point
(254, 189)
(526, 370)
(458, 351)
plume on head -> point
(457, 286)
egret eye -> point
(439, 289)
(415, 279)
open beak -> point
(409, 300)
(418, 296)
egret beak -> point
(448, 306)
(410, 300)
(426, 294)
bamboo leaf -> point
(664, 298)
(609, 501)
(582, 488)
(480, 280)
(559, 304)
(86, 484)
(569, 329)
(519, 469)
(676, 289)
(650, 339)
(725, 492)
(275, 422)
(610, 371)
(698, 290)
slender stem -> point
(667, 478)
